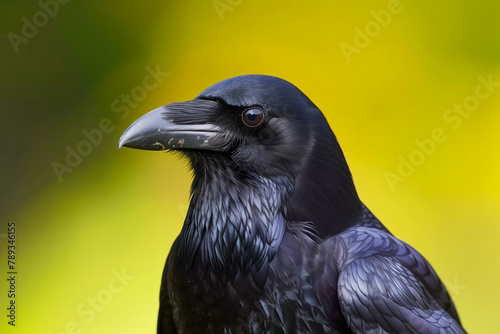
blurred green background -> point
(92, 240)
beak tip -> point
(121, 143)
(127, 138)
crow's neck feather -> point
(232, 225)
(324, 192)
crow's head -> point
(257, 125)
(262, 124)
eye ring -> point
(252, 117)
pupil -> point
(252, 116)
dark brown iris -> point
(253, 117)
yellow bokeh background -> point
(120, 210)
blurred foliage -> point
(123, 209)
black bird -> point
(276, 239)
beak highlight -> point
(156, 131)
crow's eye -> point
(252, 117)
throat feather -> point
(233, 227)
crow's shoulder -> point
(385, 285)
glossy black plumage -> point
(276, 239)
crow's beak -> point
(157, 131)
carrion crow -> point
(276, 239)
